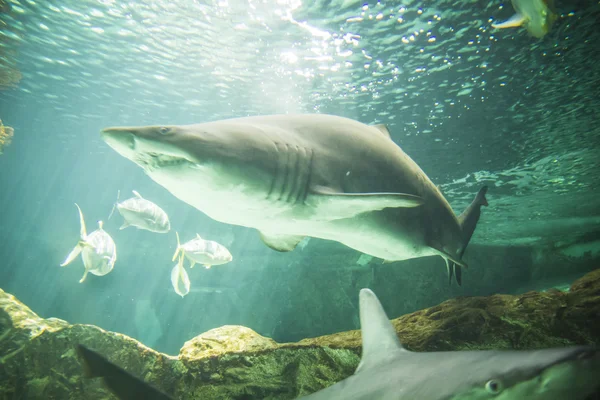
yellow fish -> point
(536, 15)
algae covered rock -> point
(6, 135)
(38, 361)
(38, 358)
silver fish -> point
(142, 214)
(98, 250)
(205, 252)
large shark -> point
(387, 371)
(291, 176)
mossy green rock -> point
(38, 360)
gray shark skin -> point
(387, 371)
(291, 176)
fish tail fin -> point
(468, 222)
(84, 275)
(178, 247)
(513, 22)
(82, 230)
(120, 382)
(114, 205)
(179, 275)
(82, 236)
(468, 219)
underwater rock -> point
(233, 362)
(38, 358)
(6, 135)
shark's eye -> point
(493, 386)
(164, 130)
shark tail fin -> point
(117, 380)
(468, 219)
(115, 205)
(178, 249)
(379, 339)
(468, 222)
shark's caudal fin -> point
(379, 339)
(468, 221)
(120, 382)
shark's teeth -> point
(152, 161)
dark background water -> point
(476, 106)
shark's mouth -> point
(154, 161)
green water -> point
(471, 105)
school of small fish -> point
(99, 252)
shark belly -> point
(390, 234)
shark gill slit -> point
(278, 174)
(287, 170)
(300, 175)
(294, 173)
(309, 167)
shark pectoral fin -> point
(192, 263)
(383, 129)
(180, 279)
(281, 243)
(513, 22)
(333, 205)
(72, 255)
(379, 338)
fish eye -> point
(164, 130)
(493, 386)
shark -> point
(388, 371)
(305, 175)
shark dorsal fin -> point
(379, 337)
(136, 194)
(383, 129)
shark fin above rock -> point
(281, 243)
(379, 338)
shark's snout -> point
(119, 139)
